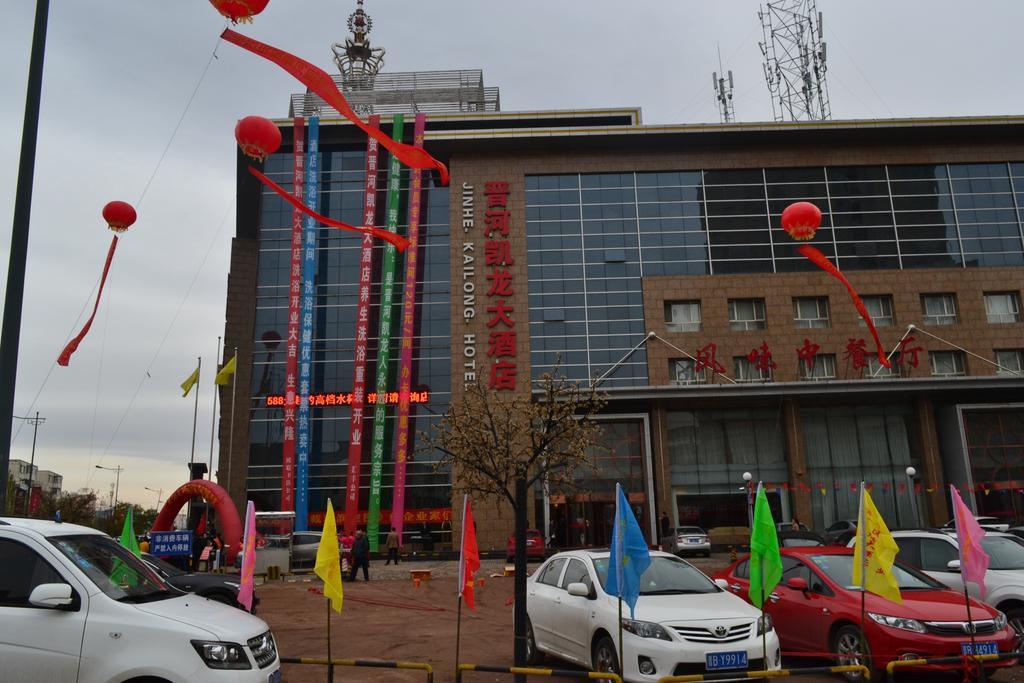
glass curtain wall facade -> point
(591, 238)
(341, 196)
(995, 450)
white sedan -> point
(685, 623)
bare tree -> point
(498, 446)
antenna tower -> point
(794, 60)
(357, 60)
(723, 92)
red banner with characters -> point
(417, 516)
(291, 370)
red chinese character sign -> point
(501, 341)
(908, 353)
(761, 358)
(856, 353)
(801, 223)
(119, 217)
(808, 352)
(706, 360)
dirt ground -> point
(389, 618)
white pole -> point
(213, 415)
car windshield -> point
(800, 542)
(163, 566)
(114, 569)
(696, 530)
(1003, 552)
(665, 576)
(839, 568)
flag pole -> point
(621, 653)
(462, 579)
(862, 532)
(195, 418)
(764, 631)
(231, 427)
(970, 631)
(213, 415)
(458, 631)
(330, 664)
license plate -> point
(981, 648)
(725, 660)
(274, 677)
(693, 540)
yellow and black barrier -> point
(368, 663)
(531, 671)
(776, 673)
(890, 668)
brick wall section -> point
(233, 466)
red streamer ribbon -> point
(820, 260)
(65, 355)
(400, 242)
(320, 82)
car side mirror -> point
(797, 583)
(579, 589)
(953, 566)
(722, 583)
(51, 595)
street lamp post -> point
(747, 477)
(911, 473)
(159, 494)
(117, 483)
(35, 422)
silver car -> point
(304, 547)
(692, 539)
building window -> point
(811, 311)
(746, 371)
(876, 370)
(746, 314)
(824, 367)
(682, 371)
(682, 316)
(1002, 307)
(1011, 362)
(939, 309)
(947, 363)
(880, 308)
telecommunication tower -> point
(723, 92)
(794, 60)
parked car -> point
(987, 523)
(692, 539)
(938, 555)
(77, 606)
(841, 532)
(1017, 531)
(798, 539)
(535, 549)
(817, 609)
(304, 547)
(221, 588)
(788, 526)
(684, 622)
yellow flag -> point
(225, 372)
(874, 573)
(192, 380)
(328, 560)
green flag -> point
(128, 539)
(765, 562)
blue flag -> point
(629, 557)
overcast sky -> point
(118, 76)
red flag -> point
(320, 82)
(201, 528)
(469, 556)
(65, 355)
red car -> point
(534, 546)
(815, 609)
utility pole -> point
(117, 484)
(35, 422)
(10, 334)
(159, 495)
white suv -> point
(937, 554)
(76, 607)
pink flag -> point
(245, 588)
(973, 559)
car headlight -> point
(645, 629)
(1000, 620)
(218, 655)
(898, 622)
(765, 624)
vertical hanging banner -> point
(408, 328)
(302, 436)
(355, 430)
(387, 297)
(294, 313)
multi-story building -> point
(649, 259)
(22, 472)
(50, 482)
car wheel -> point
(847, 647)
(605, 658)
(533, 655)
(1016, 618)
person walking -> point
(392, 544)
(360, 556)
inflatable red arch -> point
(228, 523)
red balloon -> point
(801, 220)
(240, 10)
(258, 137)
(119, 216)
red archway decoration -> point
(227, 516)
